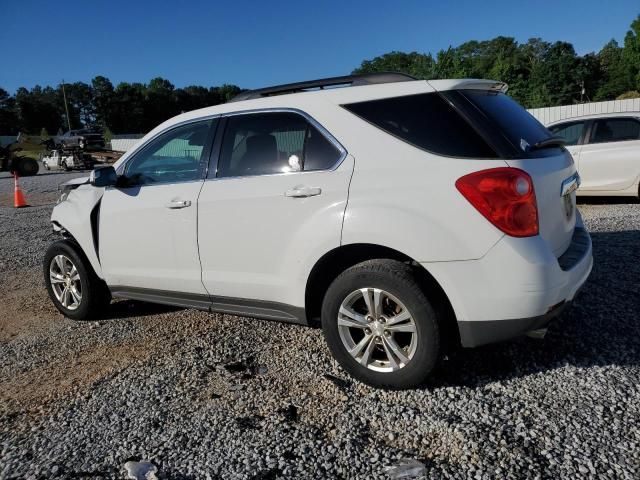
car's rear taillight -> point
(505, 196)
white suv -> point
(606, 148)
(405, 216)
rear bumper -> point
(473, 334)
(518, 286)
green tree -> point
(160, 102)
(81, 106)
(415, 64)
(628, 95)
(615, 74)
(127, 109)
(9, 121)
(108, 135)
(39, 108)
(631, 53)
(226, 92)
(103, 97)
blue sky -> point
(254, 44)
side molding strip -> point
(233, 306)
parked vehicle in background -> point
(12, 161)
(406, 216)
(59, 160)
(85, 139)
(606, 149)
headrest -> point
(262, 142)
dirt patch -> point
(33, 388)
(25, 305)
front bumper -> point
(517, 287)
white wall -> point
(548, 115)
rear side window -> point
(426, 121)
(274, 142)
(570, 132)
(615, 130)
(519, 126)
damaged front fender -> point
(77, 216)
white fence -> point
(123, 144)
(548, 115)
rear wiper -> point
(548, 143)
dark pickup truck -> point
(85, 139)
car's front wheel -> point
(73, 286)
(380, 326)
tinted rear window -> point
(615, 130)
(426, 121)
(514, 121)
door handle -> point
(301, 191)
(173, 204)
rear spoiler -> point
(469, 84)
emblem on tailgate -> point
(570, 184)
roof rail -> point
(344, 81)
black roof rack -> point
(347, 81)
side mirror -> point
(103, 177)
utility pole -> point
(66, 108)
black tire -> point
(95, 295)
(65, 166)
(397, 279)
(26, 167)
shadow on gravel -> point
(133, 308)
(601, 329)
(607, 200)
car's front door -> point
(276, 199)
(573, 134)
(148, 225)
(609, 161)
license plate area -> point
(569, 186)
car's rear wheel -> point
(380, 326)
(73, 286)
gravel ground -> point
(218, 396)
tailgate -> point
(556, 197)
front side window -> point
(615, 130)
(175, 156)
(426, 121)
(570, 132)
(273, 142)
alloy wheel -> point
(377, 330)
(65, 282)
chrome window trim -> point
(122, 167)
(323, 131)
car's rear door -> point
(148, 224)
(609, 160)
(275, 200)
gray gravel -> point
(217, 396)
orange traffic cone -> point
(18, 197)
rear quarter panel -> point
(405, 198)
